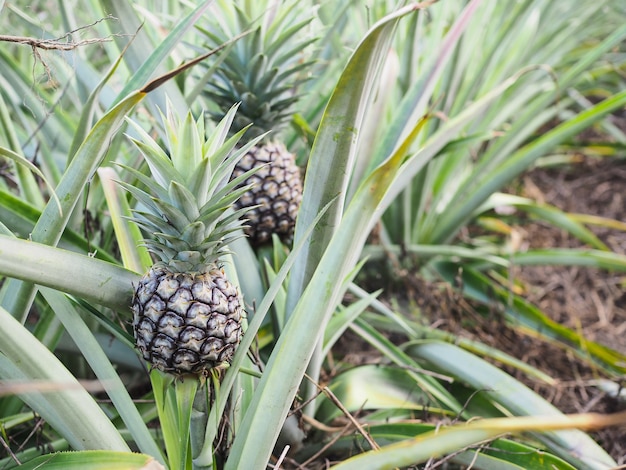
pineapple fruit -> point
(187, 316)
(262, 72)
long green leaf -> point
(80, 275)
(392, 323)
(413, 105)
(135, 56)
(571, 257)
(104, 370)
(72, 411)
(336, 142)
(530, 320)
(437, 443)
(573, 446)
(265, 413)
(546, 213)
(436, 392)
(499, 454)
(185, 393)
(465, 202)
(128, 236)
(93, 460)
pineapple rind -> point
(187, 323)
(275, 196)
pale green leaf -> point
(71, 410)
(571, 445)
(145, 67)
(93, 460)
(100, 282)
(374, 387)
(127, 235)
(448, 440)
(337, 141)
(104, 370)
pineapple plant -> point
(262, 73)
(187, 315)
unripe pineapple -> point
(186, 322)
(187, 314)
(275, 190)
(262, 72)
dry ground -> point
(588, 300)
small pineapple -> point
(261, 72)
(187, 314)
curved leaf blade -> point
(72, 411)
(571, 445)
(93, 460)
(100, 282)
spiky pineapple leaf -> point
(162, 251)
(183, 200)
(150, 183)
(171, 214)
(211, 180)
(226, 197)
(152, 223)
(199, 182)
(185, 138)
(224, 165)
(154, 204)
(158, 161)
(194, 233)
(192, 220)
(262, 67)
(218, 139)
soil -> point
(590, 301)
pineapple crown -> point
(263, 68)
(187, 205)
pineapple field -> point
(308, 234)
